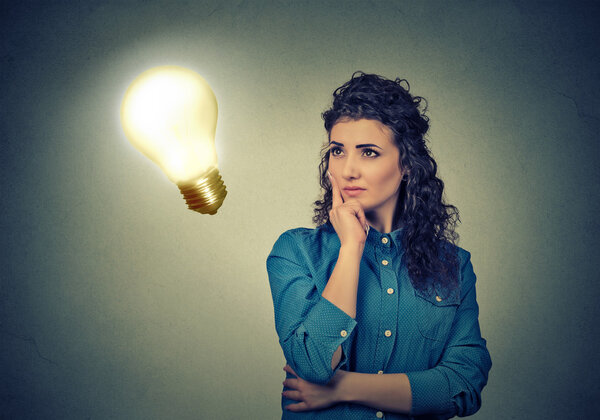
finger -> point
(359, 212)
(292, 395)
(301, 406)
(291, 383)
(289, 369)
(336, 195)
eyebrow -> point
(358, 146)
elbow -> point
(311, 364)
(311, 369)
(315, 374)
(468, 400)
(469, 403)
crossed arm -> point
(386, 392)
(390, 392)
(332, 385)
(315, 350)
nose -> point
(351, 168)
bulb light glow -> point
(169, 113)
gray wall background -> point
(118, 302)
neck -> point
(381, 224)
(384, 219)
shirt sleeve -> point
(454, 385)
(310, 327)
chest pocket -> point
(436, 314)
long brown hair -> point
(429, 236)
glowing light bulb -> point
(169, 114)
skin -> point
(376, 169)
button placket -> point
(388, 281)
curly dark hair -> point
(429, 236)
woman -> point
(375, 308)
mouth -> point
(353, 191)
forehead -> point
(361, 131)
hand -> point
(347, 217)
(311, 396)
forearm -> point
(389, 392)
(310, 327)
(342, 286)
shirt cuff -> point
(328, 324)
(430, 392)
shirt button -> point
(384, 240)
(343, 333)
(388, 333)
(390, 291)
(439, 299)
(385, 262)
(380, 372)
(379, 415)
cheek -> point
(389, 177)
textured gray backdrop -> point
(118, 302)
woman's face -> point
(364, 161)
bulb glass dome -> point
(169, 114)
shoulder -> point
(463, 256)
(307, 238)
(306, 243)
(466, 275)
(462, 267)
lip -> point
(353, 191)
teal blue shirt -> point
(433, 336)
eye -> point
(370, 153)
(336, 151)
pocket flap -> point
(438, 298)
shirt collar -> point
(376, 237)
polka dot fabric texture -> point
(432, 336)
